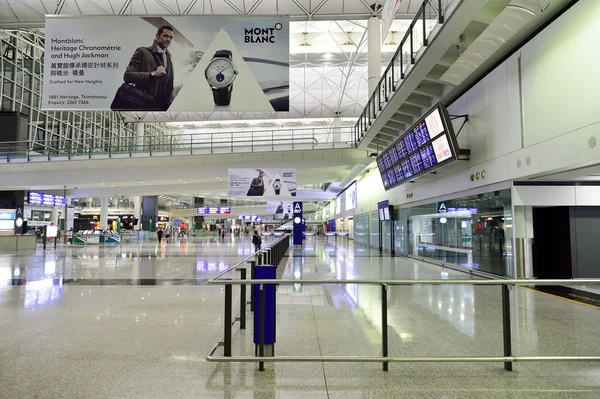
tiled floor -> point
(75, 324)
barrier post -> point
(384, 324)
(506, 325)
(227, 318)
(252, 297)
(264, 319)
(243, 300)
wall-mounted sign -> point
(428, 145)
(46, 199)
(262, 182)
(384, 210)
(213, 210)
(209, 63)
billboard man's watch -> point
(277, 186)
(220, 74)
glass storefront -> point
(361, 229)
(474, 232)
(374, 217)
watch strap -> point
(223, 54)
(222, 96)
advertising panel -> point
(351, 198)
(262, 182)
(281, 210)
(200, 63)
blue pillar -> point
(265, 272)
(298, 223)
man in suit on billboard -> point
(151, 71)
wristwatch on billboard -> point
(220, 74)
(277, 186)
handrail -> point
(191, 144)
(519, 282)
(224, 272)
(508, 358)
(388, 77)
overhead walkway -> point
(235, 142)
(440, 61)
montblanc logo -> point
(262, 35)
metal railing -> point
(507, 358)
(428, 17)
(270, 255)
(180, 144)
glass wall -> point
(374, 218)
(386, 230)
(474, 232)
(361, 229)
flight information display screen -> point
(427, 145)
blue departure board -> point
(427, 145)
(399, 173)
(428, 156)
(46, 199)
(408, 172)
(400, 149)
(393, 155)
(392, 177)
(421, 134)
(410, 143)
(386, 161)
(416, 163)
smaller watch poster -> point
(262, 182)
(172, 63)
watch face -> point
(220, 72)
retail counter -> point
(17, 243)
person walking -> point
(159, 234)
(257, 241)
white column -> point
(374, 52)
(337, 131)
(54, 215)
(103, 213)
(137, 210)
(139, 137)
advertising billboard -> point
(281, 210)
(350, 197)
(262, 182)
(201, 63)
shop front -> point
(473, 232)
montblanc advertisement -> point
(175, 64)
(262, 183)
(280, 210)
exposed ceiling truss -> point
(30, 13)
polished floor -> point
(136, 321)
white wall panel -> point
(587, 195)
(560, 75)
(544, 196)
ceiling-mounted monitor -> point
(427, 145)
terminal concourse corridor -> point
(136, 321)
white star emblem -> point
(278, 26)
